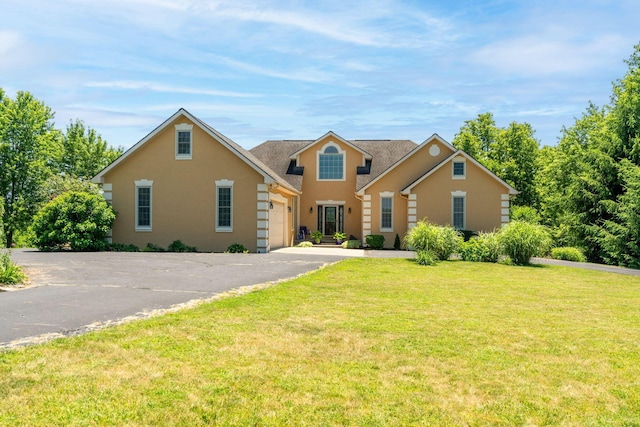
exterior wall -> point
(339, 191)
(184, 193)
(484, 194)
(394, 181)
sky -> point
(293, 69)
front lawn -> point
(363, 342)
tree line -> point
(38, 161)
(585, 189)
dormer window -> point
(184, 143)
(331, 165)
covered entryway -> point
(330, 219)
(277, 224)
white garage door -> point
(276, 225)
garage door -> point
(276, 225)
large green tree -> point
(511, 153)
(84, 152)
(28, 146)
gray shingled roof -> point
(384, 153)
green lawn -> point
(363, 342)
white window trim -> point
(144, 183)
(459, 160)
(184, 127)
(224, 183)
(344, 162)
(387, 195)
(462, 194)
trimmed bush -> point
(352, 244)
(397, 245)
(78, 220)
(305, 244)
(178, 246)
(10, 273)
(522, 240)
(236, 248)
(376, 241)
(440, 241)
(152, 247)
(568, 254)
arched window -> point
(330, 163)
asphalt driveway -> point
(75, 292)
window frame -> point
(459, 161)
(224, 184)
(340, 152)
(459, 195)
(387, 195)
(183, 128)
(143, 184)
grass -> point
(362, 342)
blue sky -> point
(383, 69)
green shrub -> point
(425, 258)
(522, 240)
(397, 245)
(305, 244)
(10, 273)
(375, 241)
(525, 213)
(236, 248)
(484, 248)
(317, 236)
(568, 254)
(352, 244)
(152, 247)
(78, 220)
(122, 247)
(178, 246)
(440, 241)
(467, 234)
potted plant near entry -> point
(316, 236)
(339, 236)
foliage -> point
(85, 153)
(568, 254)
(1, 224)
(78, 220)
(178, 246)
(60, 183)
(237, 248)
(484, 248)
(426, 257)
(339, 236)
(375, 241)
(525, 213)
(317, 236)
(440, 241)
(521, 241)
(397, 245)
(352, 244)
(28, 143)
(10, 273)
(467, 234)
(305, 244)
(152, 247)
(122, 247)
(511, 153)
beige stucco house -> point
(187, 181)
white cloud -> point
(156, 87)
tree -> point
(511, 153)
(79, 220)
(28, 145)
(84, 152)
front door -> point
(330, 214)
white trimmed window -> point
(144, 206)
(184, 141)
(386, 211)
(458, 209)
(331, 164)
(459, 169)
(224, 205)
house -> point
(187, 181)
